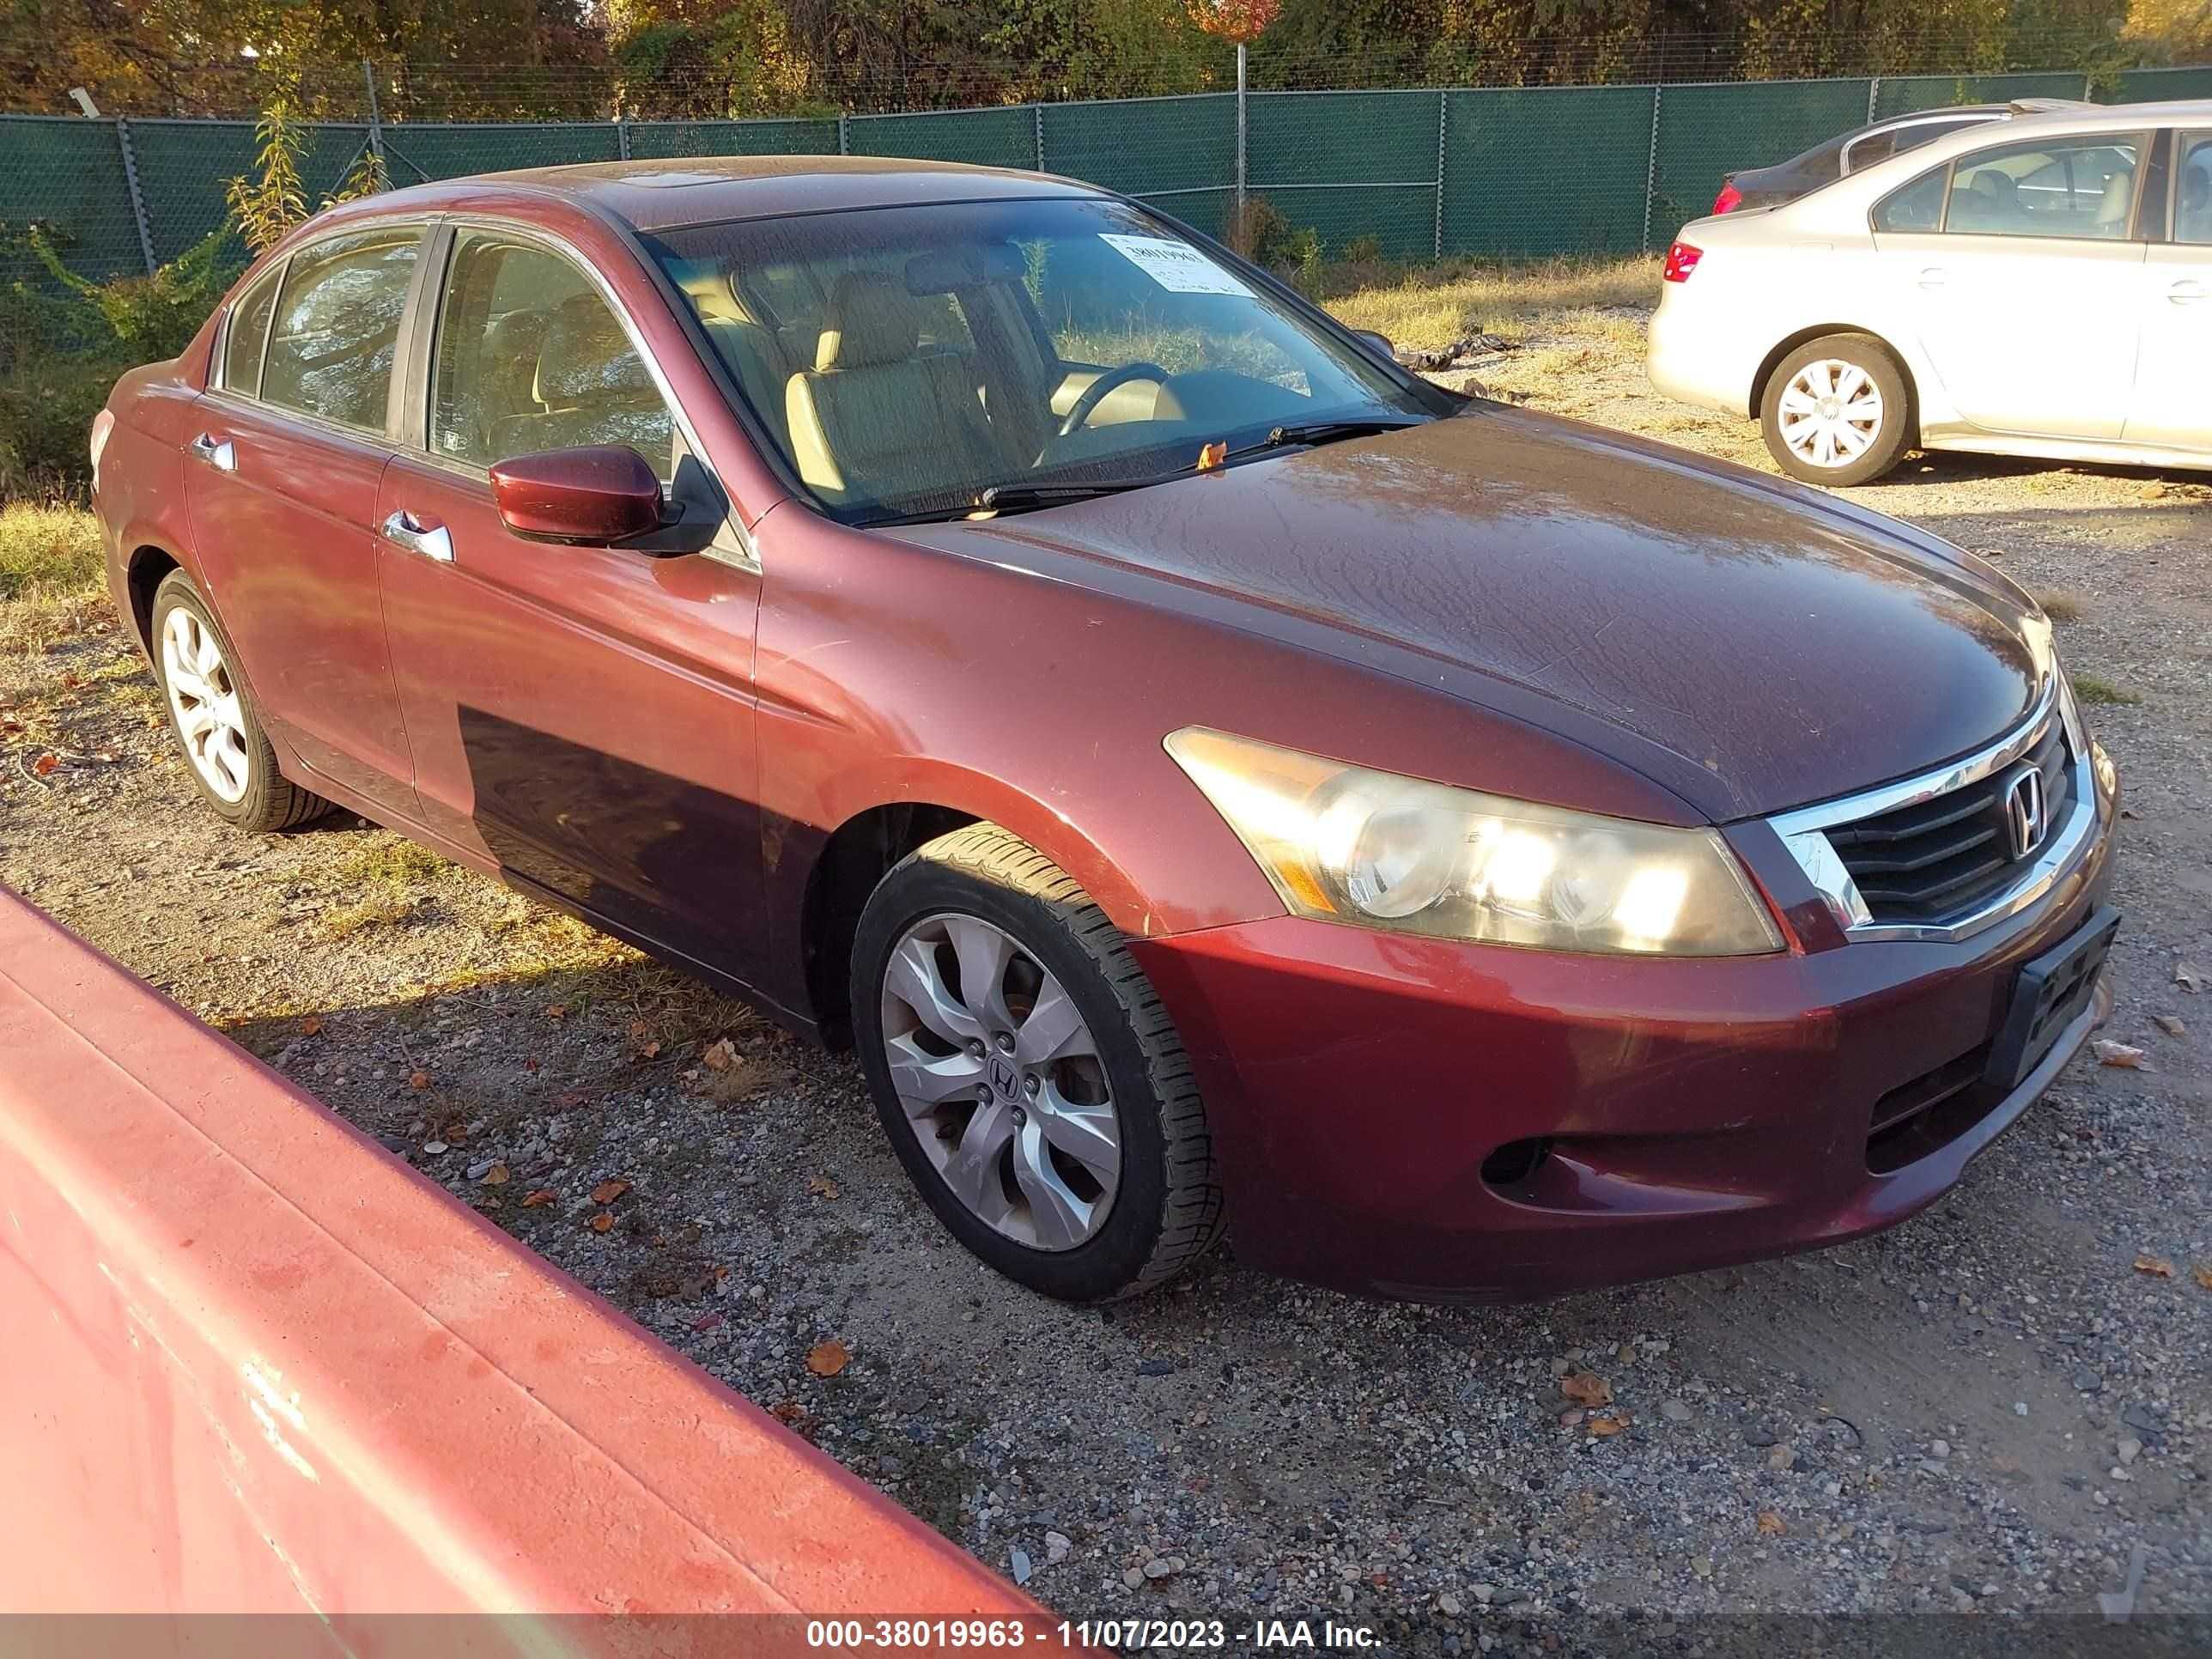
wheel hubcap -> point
(1830, 413)
(1001, 1082)
(204, 700)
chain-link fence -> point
(1398, 174)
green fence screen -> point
(1477, 171)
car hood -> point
(1750, 644)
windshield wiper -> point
(1015, 498)
(1325, 431)
(1023, 497)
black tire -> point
(270, 801)
(1891, 439)
(1167, 1211)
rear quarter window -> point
(245, 334)
(1916, 206)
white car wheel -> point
(1832, 413)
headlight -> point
(1342, 843)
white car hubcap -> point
(204, 701)
(1831, 412)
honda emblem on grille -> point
(2024, 810)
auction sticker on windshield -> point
(1175, 266)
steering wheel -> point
(1096, 392)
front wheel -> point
(1836, 411)
(1026, 1073)
(213, 717)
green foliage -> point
(130, 318)
(266, 208)
(48, 401)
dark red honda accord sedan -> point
(1215, 778)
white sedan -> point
(2040, 287)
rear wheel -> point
(1836, 411)
(1026, 1073)
(213, 718)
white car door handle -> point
(218, 453)
(1934, 277)
(432, 541)
(2184, 294)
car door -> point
(2173, 407)
(2022, 295)
(584, 715)
(280, 486)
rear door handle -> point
(2182, 293)
(433, 541)
(220, 453)
(1934, 277)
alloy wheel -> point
(1830, 413)
(1001, 1081)
(204, 700)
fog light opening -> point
(1513, 1163)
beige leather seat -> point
(751, 350)
(2119, 196)
(877, 416)
(592, 388)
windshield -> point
(908, 359)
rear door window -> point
(246, 333)
(1916, 206)
(336, 334)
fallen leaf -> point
(1587, 1388)
(310, 1025)
(828, 1358)
(821, 1186)
(2170, 1024)
(1211, 456)
(45, 764)
(2203, 1275)
(707, 1321)
(1771, 1524)
(530, 1063)
(608, 1191)
(637, 1028)
(556, 1011)
(419, 1080)
(2189, 977)
(496, 1175)
(720, 1056)
(794, 1416)
(2110, 1052)
(2152, 1266)
(538, 1200)
(603, 1221)
(650, 1050)
(1606, 1427)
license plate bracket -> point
(2048, 996)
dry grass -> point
(2061, 603)
(50, 576)
(1429, 306)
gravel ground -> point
(1996, 1407)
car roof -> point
(659, 195)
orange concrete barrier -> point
(256, 1365)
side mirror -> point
(1380, 342)
(587, 497)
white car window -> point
(2192, 200)
(2071, 187)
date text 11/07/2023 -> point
(1123, 1635)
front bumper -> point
(1693, 1113)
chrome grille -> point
(1930, 860)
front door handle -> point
(432, 540)
(220, 453)
(2182, 293)
(1934, 277)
